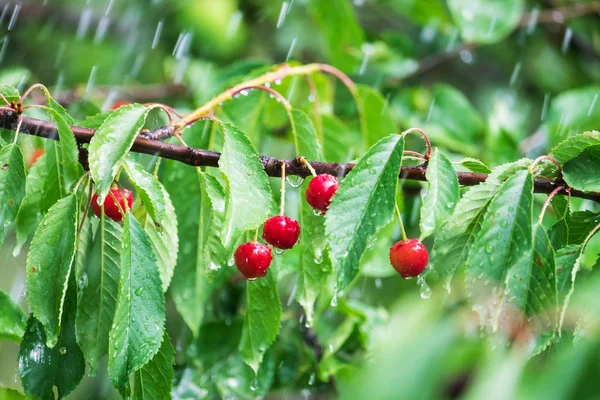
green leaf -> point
(572, 112)
(336, 144)
(376, 119)
(442, 195)
(455, 239)
(262, 320)
(10, 394)
(486, 21)
(98, 295)
(148, 188)
(49, 265)
(305, 136)
(42, 368)
(94, 121)
(531, 285)
(69, 152)
(573, 228)
(363, 204)
(583, 171)
(111, 143)
(153, 380)
(475, 165)
(138, 325)
(54, 188)
(574, 145)
(503, 240)
(30, 213)
(12, 319)
(340, 30)
(248, 199)
(10, 92)
(164, 240)
(12, 186)
(565, 260)
(315, 265)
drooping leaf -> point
(262, 320)
(54, 188)
(574, 145)
(148, 188)
(573, 228)
(305, 136)
(475, 165)
(531, 286)
(442, 195)
(248, 199)
(315, 265)
(454, 240)
(42, 368)
(111, 143)
(340, 30)
(583, 171)
(164, 239)
(486, 21)
(12, 319)
(98, 297)
(363, 204)
(376, 119)
(49, 265)
(153, 380)
(565, 260)
(69, 153)
(12, 186)
(503, 240)
(138, 324)
(30, 213)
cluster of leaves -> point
(96, 288)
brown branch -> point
(272, 165)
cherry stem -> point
(85, 212)
(282, 205)
(425, 137)
(164, 108)
(274, 92)
(18, 129)
(547, 202)
(31, 88)
(310, 168)
(112, 196)
(76, 188)
(256, 235)
(402, 231)
(415, 154)
(546, 158)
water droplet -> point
(378, 283)
(231, 261)
(425, 290)
(294, 181)
(334, 300)
(251, 279)
(63, 350)
(311, 379)
(254, 384)
(278, 251)
(489, 248)
(503, 223)
(318, 213)
(139, 291)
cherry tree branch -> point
(272, 165)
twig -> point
(272, 165)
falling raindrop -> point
(566, 40)
(234, 23)
(515, 74)
(13, 18)
(282, 14)
(545, 106)
(593, 105)
(157, 34)
(291, 50)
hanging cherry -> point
(253, 259)
(114, 204)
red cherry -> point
(111, 209)
(253, 259)
(119, 103)
(281, 232)
(320, 190)
(409, 257)
(37, 153)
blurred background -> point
(494, 79)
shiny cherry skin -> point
(409, 258)
(281, 232)
(253, 259)
(320, 190)
(111, 209)
(119, 103)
